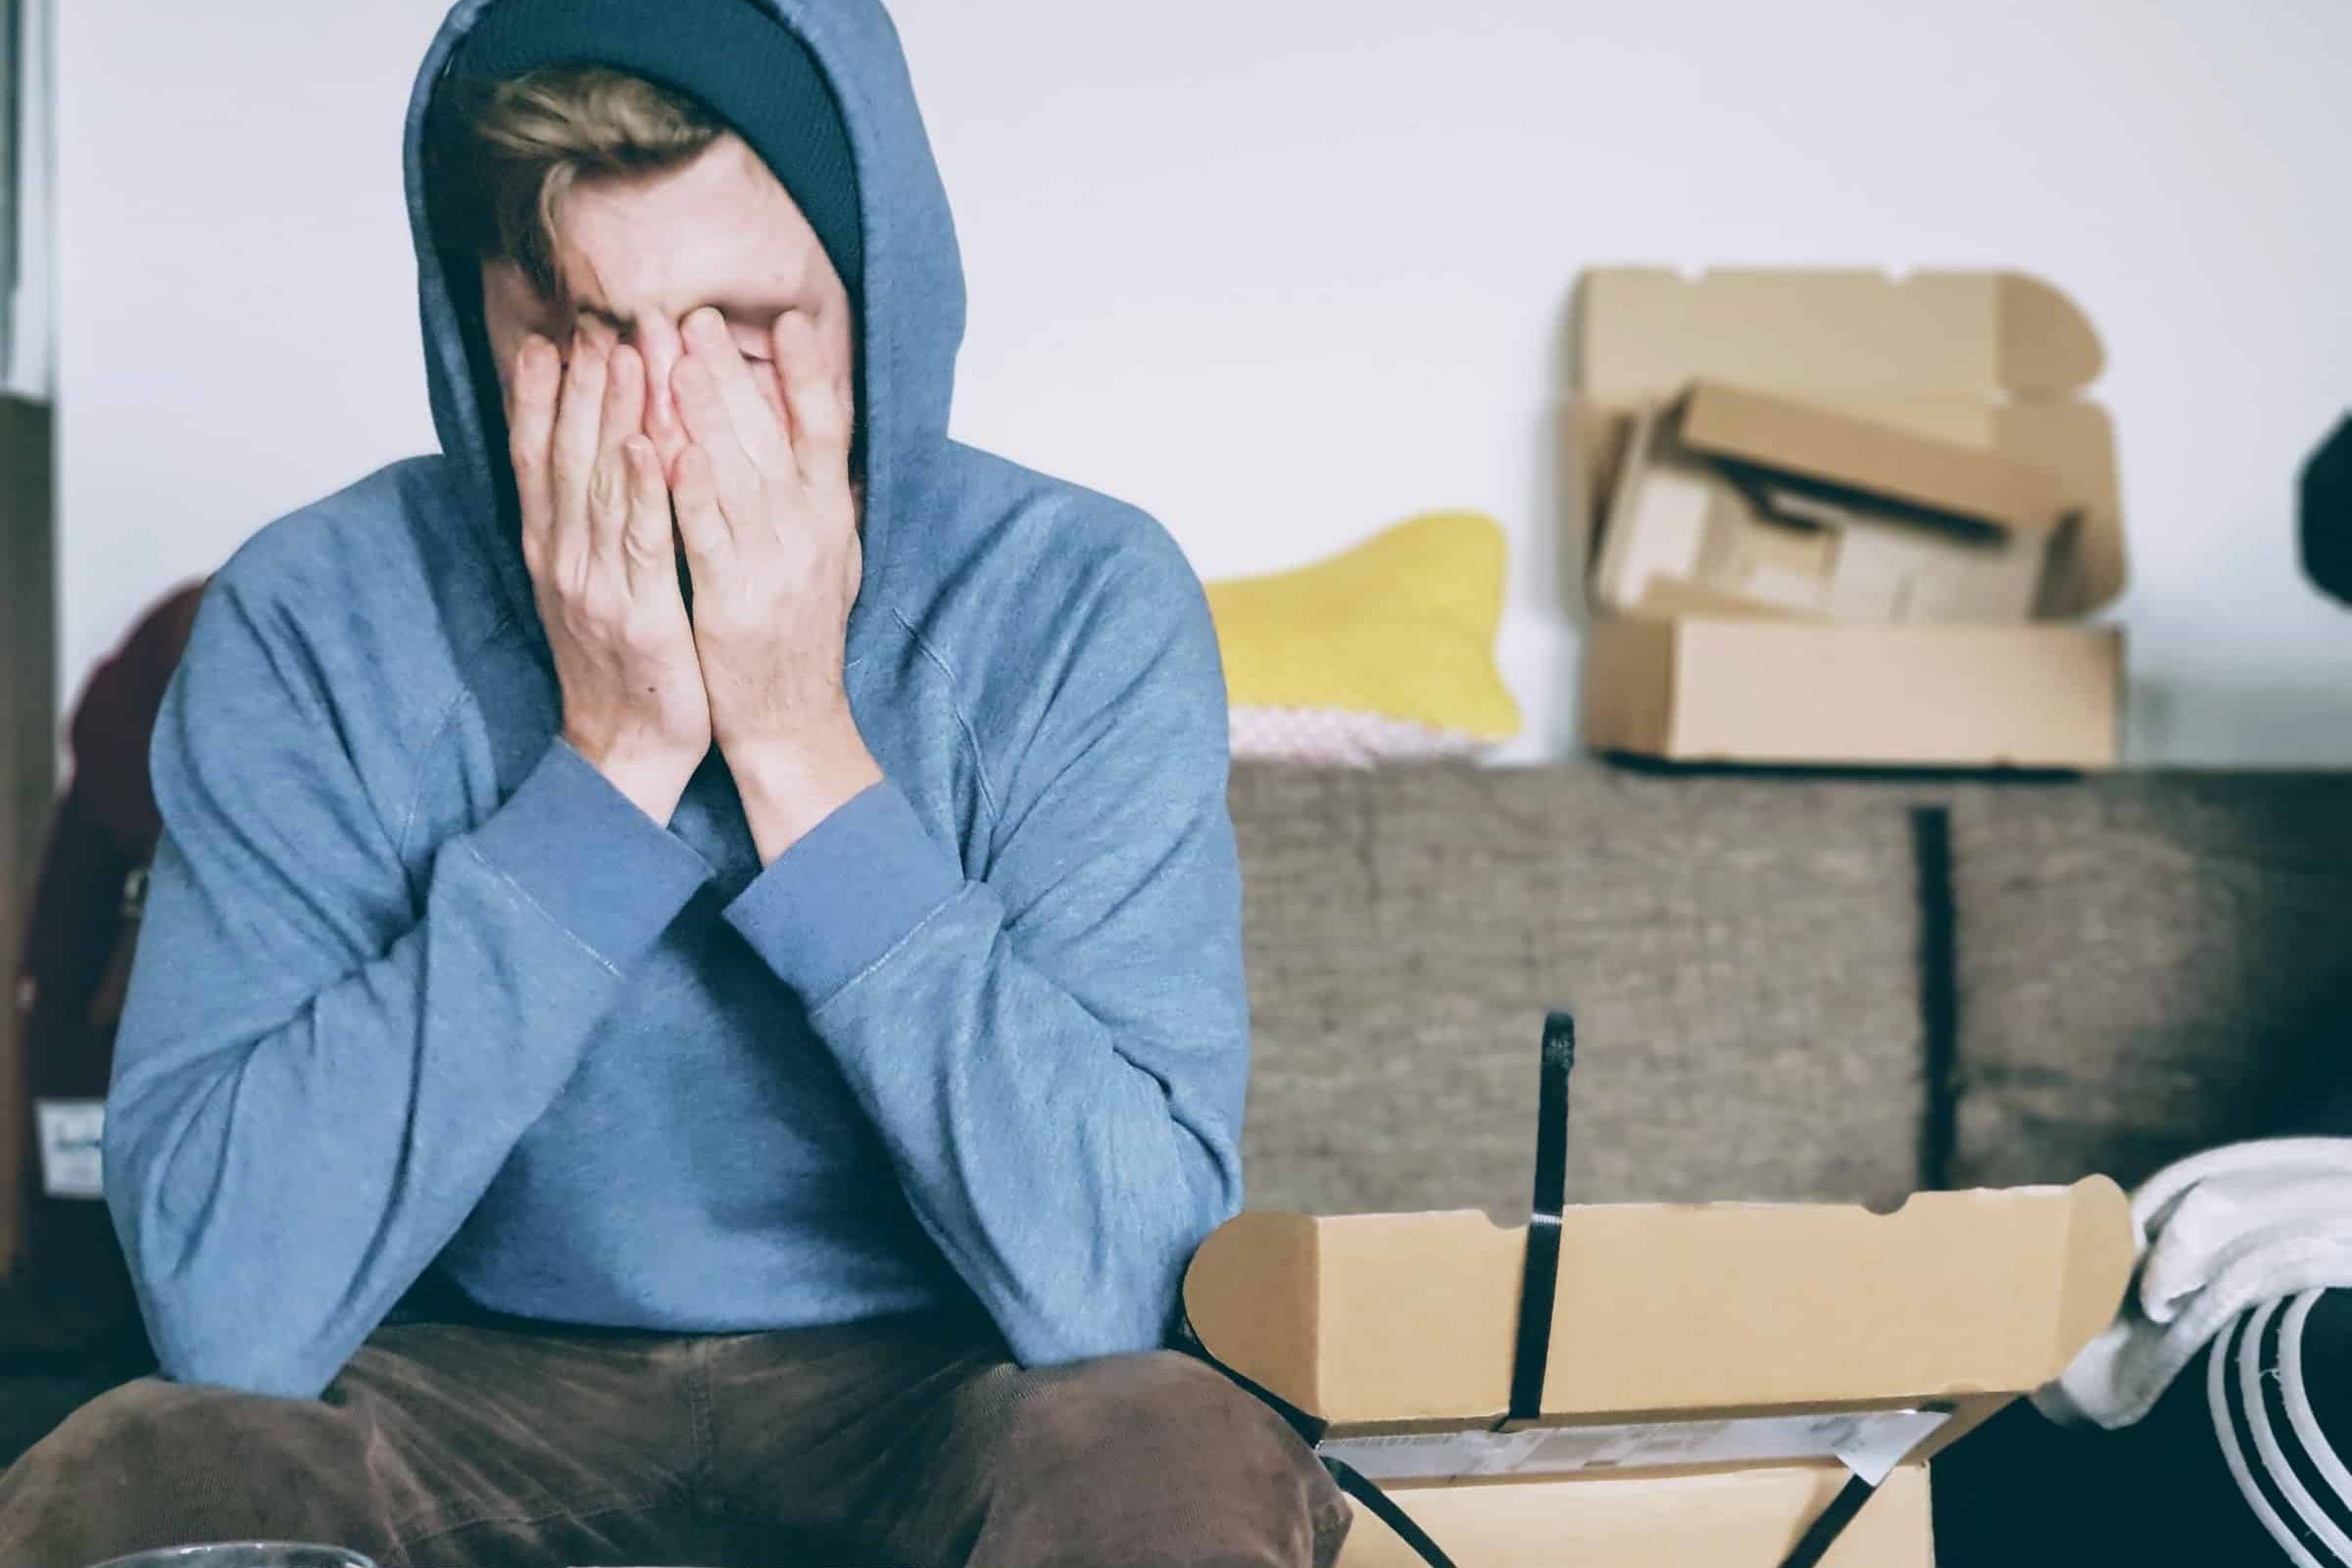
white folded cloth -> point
(2217, 1233)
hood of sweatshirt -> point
(911, 288)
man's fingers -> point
(646, 545)
(694, 491)
(531, 393)
(753, 420)
(624, 397)
(734, 476)
(580, 419)
(820, 417)
(610, 487)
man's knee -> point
(152, 1430)
(1159, 1400)
(1164, 1444)
(155, 1463)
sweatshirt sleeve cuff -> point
(845, 893)
(583, 851)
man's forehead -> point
(667, 244)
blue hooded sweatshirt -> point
(420, 995)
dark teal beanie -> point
(733, 57)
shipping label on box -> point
(1869, 1443)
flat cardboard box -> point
(1993, 361)
(1711, 1519)
(1688, 1342)
(1771, 504)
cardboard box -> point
(1709, 1519)
(1953, 392)
(1696, 688)
(1767, 505)
(1714, 1373)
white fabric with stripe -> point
(2267, 1477)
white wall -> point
(1285, 270)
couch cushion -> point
(2148, 964)
(1741, 955)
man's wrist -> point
(789, 787)
(653, 784)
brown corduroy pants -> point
(903, 1443)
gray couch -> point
(1787, 988)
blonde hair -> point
(506, 152)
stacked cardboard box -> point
(1836, 519)
(1716, 1374)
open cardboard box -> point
(1683, 667)
(1755, 503)
(1715, 1371)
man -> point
(717, 893)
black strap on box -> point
(1539, 1281)
(1531, 1358)
(1816, 1543)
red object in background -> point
(70, 1286)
